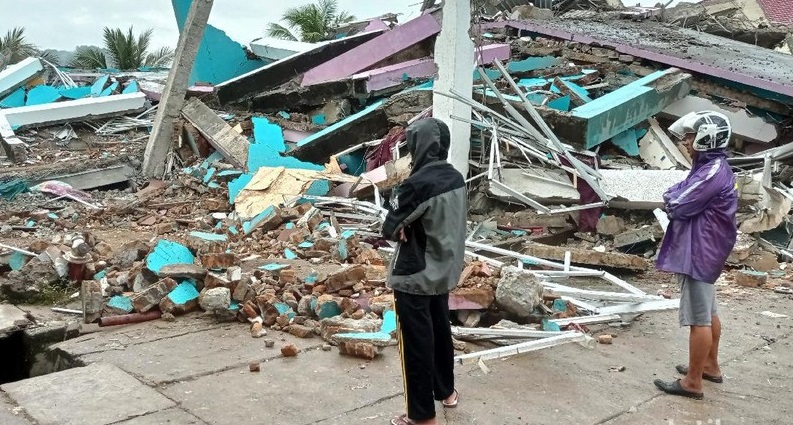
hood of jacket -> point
(428, 141)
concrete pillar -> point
(175, 89)
(454, 54)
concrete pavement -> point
(195, 371)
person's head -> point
(702, 131)
(428, 141)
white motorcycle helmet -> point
(711, 128)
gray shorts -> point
(697, 301)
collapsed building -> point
(267, 203)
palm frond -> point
(279, 31)
(89, 58)
(15, 47)
(159, 58)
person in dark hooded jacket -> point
(701, 234)
(427, 217)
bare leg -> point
(699, 345)
(712, 364)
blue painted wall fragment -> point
(289, 254)
(131, 88)
(628, 141)
(533, 63)
(491, 73)
(260, 155)
(167, 252)
(354, 163)
(318, 119)
(285, 115)
(306, 245)
(562, 103)
(549, 326)
(76, 92)
(14, 100)
(384, 334)
(327, 310)
(236, 186)
(17, 260)
(559, 305)
(248, 226)
(184, 293)
(99, 85)
(109, 90)
(41, 95)
(268, 134)
(209, 174)
(219, 57)
(271, 267)
(122, 303)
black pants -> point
(425, 345)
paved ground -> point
(194, 371)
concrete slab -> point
(121, 337)
(310, 387)
(10, 414)
(744, 126)
(94, 395)
(9, 315)
(174, 416)
(18, 74)
(75, 110)
(189, 356)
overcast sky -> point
(64, 24)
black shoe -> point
(675, 388)
(683, 370)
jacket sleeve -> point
(405, 208)
(694, 196)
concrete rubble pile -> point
(277, 181)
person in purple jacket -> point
(701, 234)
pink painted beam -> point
(394, 75)
(373, 51)
(487, 54)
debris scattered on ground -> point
(269, 208)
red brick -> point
(364, 350)
(289, 350)
(219, 261)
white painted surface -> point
(17, 74)
(454, 54)
(74, 109)
(277, 49)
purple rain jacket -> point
(702, 228)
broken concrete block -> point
(183, 271)
(301, 331)
(91, 294)
(751, 278)
(240, 292)
(34, 276)
(630, 238)
(518, 293)
(255, 367)
(472, 298)
(216, 280)
(289, 350)
(585, 256)
(219, 261)
(380, 304)
(328, 306)
(605, 339)
(306, 305)
(166, 253)
(181, 300)
(337, 325)
(129, 253)
(257, 330)
(364, 350)
(151, 296)
(215, 299)
(345, 277)
(232, 145)
(611, 225)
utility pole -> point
(454, 54)
(175, 89)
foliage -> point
(123, 51)
(14, 47)
(311, 23)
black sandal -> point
(683, 370)
(674, 388)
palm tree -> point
(122, 51)
(310, 23)
(14, 47)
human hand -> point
(402, 237)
